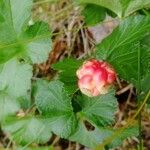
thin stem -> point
(138, 95)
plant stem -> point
(138, 95)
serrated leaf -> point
(13, 26)
(121, 47)
(27, 130)
(8, 105)
(62, 124)
(134, 5)
(130, 30)
(10, 26)
(121, 7)
(39, 47)
(87, 138)
(54, 103)
(15, 77)
(15, 15)
(93, 14)
(69, 79)
(99, 110)
(113, 5)
(19, 17)
(96, 137)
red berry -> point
(95, 77)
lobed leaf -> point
(99, 110)
(27, 130)
(122, 8)
(121, 47)
(96, 137)
(55, 105)
(93, 14)
(15, 77)
(15, 15)
(69, 79)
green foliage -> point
(96, 137)
(69, 79)
(38, 43)
(54, 103)
(122, 8)
(88, 138)
(11, 75)
(8, 105)
(15, 83)
(20, 45)
(14, 26)
(27, 130)
(93, 14)
(99, 110)
(121, 47)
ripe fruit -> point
(95, 77)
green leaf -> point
(8, 105)
(15, 15)
(69, 79)
(15, 77)
(87, 138)
(122, 8)
(113, 5)
(62, 124)
(27, 130)
(39, 47)
(130, 30)
(12, 22)
(99, 110)
(93, 14)
(96, 137)
(25, 101)
(134, 5)
(18, 17)
(53, 102)
(121, 47)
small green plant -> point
(58, 106)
